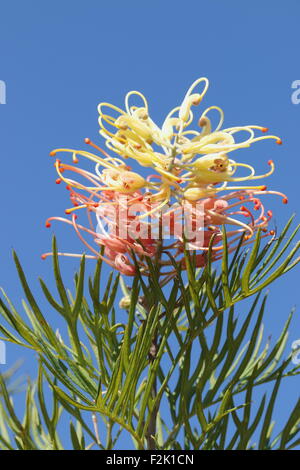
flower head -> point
(127, 213)
(200, 155)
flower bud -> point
(194, 194)
(125, 302)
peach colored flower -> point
(189, 186)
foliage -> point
(181, 370)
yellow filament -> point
(264, 137)
(138, 94)
(242, 178)
(221, 120)
(189, 98)
(75, 208)
(252, 176)
(242, 127)
(229, 188)
(174, 110)
(75, 184)
(89, 156)
(160, 206)
(234, 130)
(109, 105)
(195, 83)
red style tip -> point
(58, 181)
(67, 211)
(272, 232)
(270, 162)
(87, 140)
(265, 129)
(48, 225)
(52, 153)
(279, 142)
(263, 188)
(270, 213)
(43, 256)
(68, 188)
(285, 200)
(96, 204)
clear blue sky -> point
(59, 59)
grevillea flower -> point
(199, 156)
(127, 213)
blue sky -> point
(60, 59)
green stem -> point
(151, 432)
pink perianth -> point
(120, 213)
